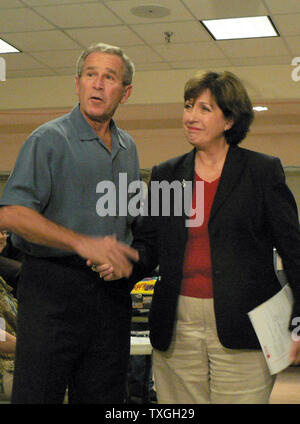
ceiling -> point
(52, 33)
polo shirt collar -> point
(86, 132)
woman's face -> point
(204, 123)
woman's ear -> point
(228, 124)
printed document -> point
(271, 322)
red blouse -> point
(197, 272)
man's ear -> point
(127, 93)
(77, 84)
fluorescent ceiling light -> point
(260, 108)
(7, 48)
(248, 27)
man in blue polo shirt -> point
(73, 327)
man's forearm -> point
(33, 227)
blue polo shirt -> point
(58, 171)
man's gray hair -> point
(106, 48)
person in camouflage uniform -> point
(8, 315)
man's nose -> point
(98, 82)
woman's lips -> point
(194, 129)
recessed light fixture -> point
(7, 48)
(260, 108)
(150, 11)
(246, 27)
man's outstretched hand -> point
(107, 250)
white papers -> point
(271, 322)
(140, 346)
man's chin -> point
(100, 118)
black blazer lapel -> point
(186, 173)
(186, 169)
(183, 172)
(232, 170)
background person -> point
(205, 348)
(8, 324)
(10, 261)
(73, 328)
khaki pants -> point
(198, 369)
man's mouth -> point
(97, 99)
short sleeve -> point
(30, 181)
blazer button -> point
(217, 272)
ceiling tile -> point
(40, 40)
(294, 44)
(253, 47)
(288, 24)
(20, 61)
(280, 6)
(78, 15)
(17, 20)
(30, 73)
(5, 4)
(142, 54)
(123, 9)
(214, 9)
(54, 2)
(119, 35)
(158, 66)
(189, 51)
(201, 64)
(58, 58)
(65, 70)
(261, 61)
(182, 32)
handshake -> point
(107, 256)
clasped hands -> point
(110, 258)
(108, 273)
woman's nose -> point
(192, 115)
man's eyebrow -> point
(90, 67)
(110, 70)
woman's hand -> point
(107, 272)
(3, 237)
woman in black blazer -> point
(213, 274)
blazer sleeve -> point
(283, 220)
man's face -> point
(100, 88)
